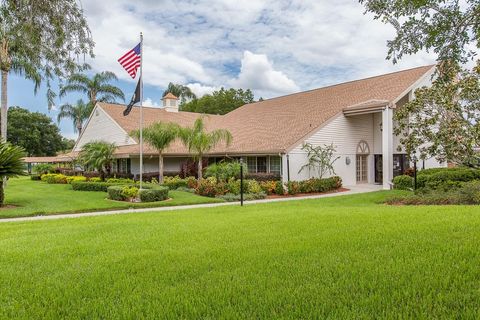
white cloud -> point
(257, 73)
(209, 44)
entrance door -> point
(362, 168)
(378, 168)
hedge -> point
(403, 182)
(155, 194)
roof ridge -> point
(342, 83)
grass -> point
(39, 198)
(343, 257)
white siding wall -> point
(345, 133)
(101, 127)
(150, 164)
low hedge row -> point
(314, 185)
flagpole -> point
(141, 110)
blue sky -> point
(273, 47)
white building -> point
(356, 117)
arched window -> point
(363, 148)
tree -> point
(160, 135)
(98, 155)
(198, 141)
(220, 102)
(77, 113)
(35, 132)
(98, 88)
(319, 159)
(444, 27)
(11, 164)
(180, 91)
(40, 40)
(444, 120)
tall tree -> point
(199, 141)
(98, 155)
(40, 40)
(35, 132)
(160, 135)
(11, 164)
(78, 113)
(98, 88)
(444, 27)
(220, 102)
(180, 91)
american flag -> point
(130, 61)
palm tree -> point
(97, 88)
(98, 155)
(199, 142)
(11, 164)
(180, 91)
(160, 135)
(77, 113)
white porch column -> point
(387, 146)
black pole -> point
(241, 181)
(414, 175)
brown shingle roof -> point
(275, 125)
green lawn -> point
(342, 257)
(40, 198)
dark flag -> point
(135, 99)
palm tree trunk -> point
(200, 168)
(160, 168)
(4, 107)
(2, 193)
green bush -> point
(92, 186)
(174, 182)
(35, 177)
(403, 182)
(224, 171)
(54, 178)
(279, 188)
(230, 197)
(115, 193)
(71, 179)
(158, 193)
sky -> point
(273, 47)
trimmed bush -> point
(403, 182)
(155, 194)
(92, 186)
(54, 178)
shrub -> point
(158, 193)
(115, 193)
(223, 171)
(129, 192)
(263, 176)
(230, 197)
(71, 179)
(119, 180)
(174, 182)
(35, 177)
(44, 168)
(54, 178)
(268, 186)
(279, 189)
(403, 182)
(91, 186)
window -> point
(275, 165)
(262, 164)
(252, 164)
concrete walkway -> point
(352, 190)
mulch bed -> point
(276, 196)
